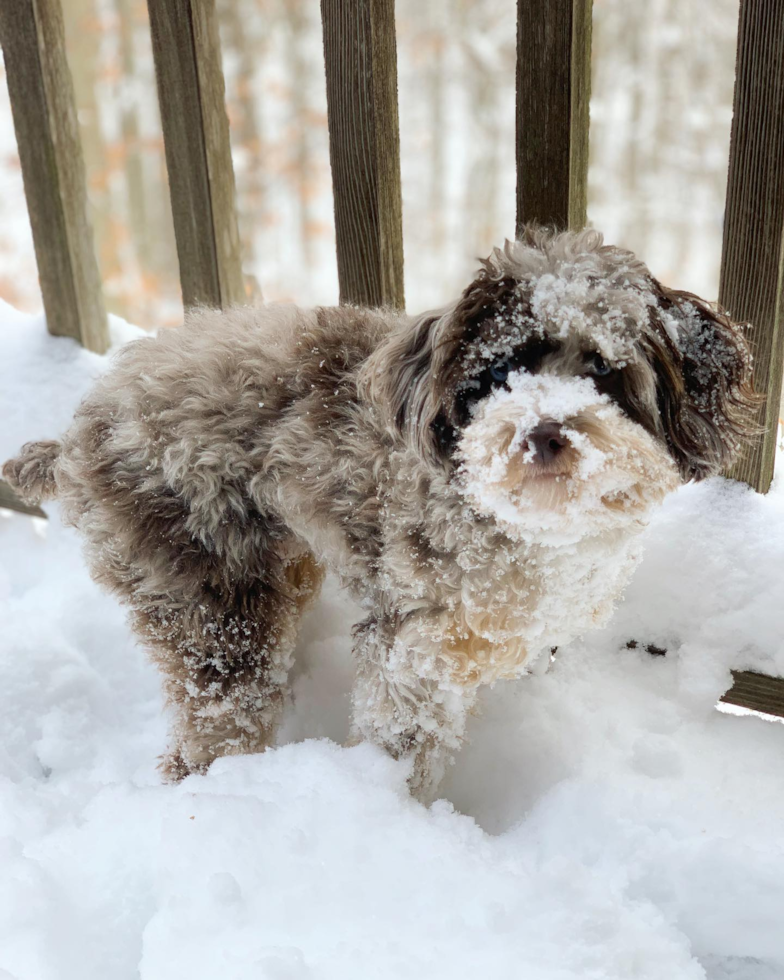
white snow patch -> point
(44, 378)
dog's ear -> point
(414, 376)
(401, 380)
(703, 374)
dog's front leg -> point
(403, 704)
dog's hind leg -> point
(225, 657)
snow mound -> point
(604, 821)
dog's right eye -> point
(499, 371)
(598, 366)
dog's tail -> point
(32, 473)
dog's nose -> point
(546, 441)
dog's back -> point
(155, 460)
(157, 465)
(156, 472)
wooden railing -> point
(553, 88)
(50, 152)
(189, 77)
(752, 265)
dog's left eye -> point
(499, 371)
(599, 366)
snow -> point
(604, 820)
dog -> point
(477, 477)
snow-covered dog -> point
(476, 476)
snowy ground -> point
(605, 821)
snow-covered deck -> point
(604, 821)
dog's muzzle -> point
(553, 460)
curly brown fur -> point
(31, 473)
(216, 470)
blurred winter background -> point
(660, 122)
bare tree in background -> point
(146, 182)
(245, 47)
(487, 65)
(299, 66)
(663, 76)
(85, 30)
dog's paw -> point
(174, 768)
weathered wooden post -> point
(186, 49)
(360, 54)
(752, 269)
(47, 134)
(752, 266)
(50, 153)
(553, 90)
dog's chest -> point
(515, 604)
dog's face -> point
(567, 385)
